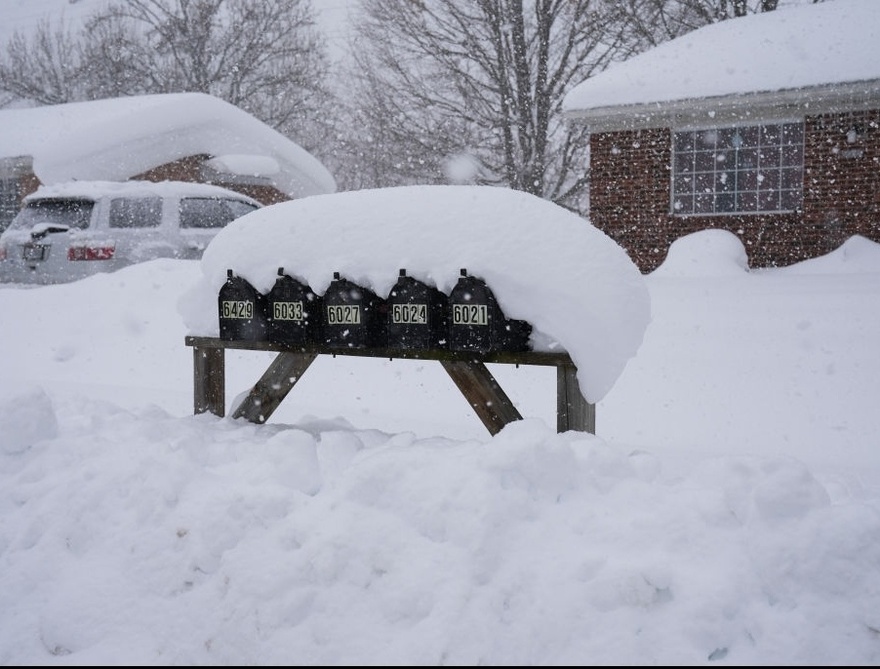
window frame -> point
(755, 154)
(190, 220)
(135, 213)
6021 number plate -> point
(470, 314)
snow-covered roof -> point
(98, 189)
(119, 138)
(812, 58)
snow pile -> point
(575, 285)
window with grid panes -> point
(738, 170)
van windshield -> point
(72, 213)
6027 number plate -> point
(31, 252)
(343, 314)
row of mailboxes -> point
(415, 315)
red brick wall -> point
(630, 195)
(185, 169)
(28, 184)
(842, 179)
(189, 169)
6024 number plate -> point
(409, 314)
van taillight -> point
(90, 252)
(2, 253)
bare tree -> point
(264, 56)
(45, 68)
(471, 91)
(647, 23)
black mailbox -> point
(354, 316)
(242, 310)
(293, 312)
(417, 315)
(477, 323)
(516, 335)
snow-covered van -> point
(69, 231)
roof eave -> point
(738, 108)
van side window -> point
(143, 212)
(240, 208)
(209, 212)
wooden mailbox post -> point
(467, 369)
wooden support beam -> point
(573, 412)
(286, 369)
(482, 392)
(541, 358)
(467, 371)
(209, 380)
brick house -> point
(767, 126)
(180, 136)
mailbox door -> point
(241, 310)
(473, 314)
(416, 316)
(293, 312)
(353, 316)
